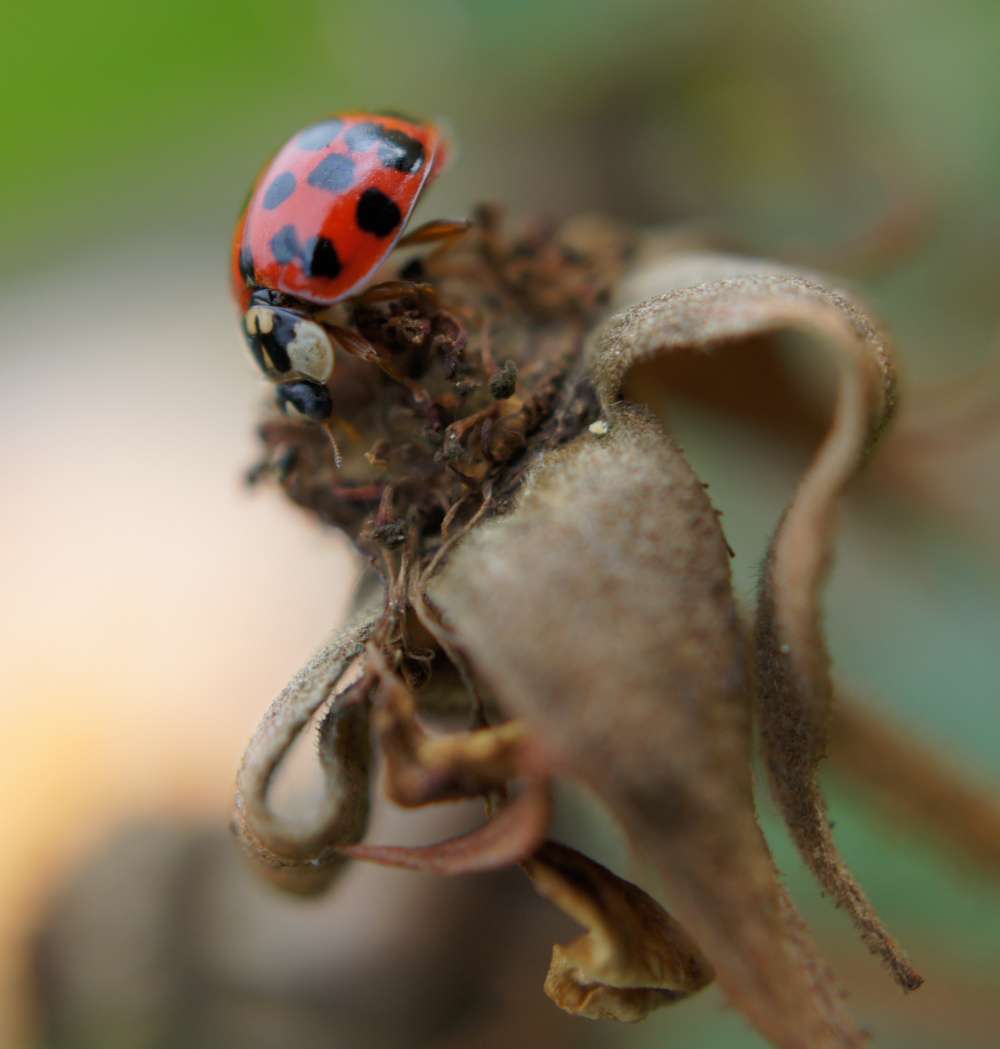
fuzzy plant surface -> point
(556, 602)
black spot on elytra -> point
(334, 173)
(285, 246)
(377, 213)
(318, 257)
(361, 136)
(309, 398)
(279, 190)
(323, 261)
(246, 265)
(397, 149)
(319, 135)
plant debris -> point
(549, 557)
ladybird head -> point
(311, 400)
(286, 342)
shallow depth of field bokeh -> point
(152, 607)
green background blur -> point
(791, 127)
(780, 120)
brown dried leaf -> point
(299, 855)
(633, 958)
(792, 662)
(600, 612)
(913, 782)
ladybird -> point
(321, 218)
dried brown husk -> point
(596, 608)
(600, 613)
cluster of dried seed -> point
(448, 413)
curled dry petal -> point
(299, 855)
(504, 839)
(421, 768)
(913, 782)
(793, 671)
(600, 612)
(633, 957)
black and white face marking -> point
(305, 398)
(286, 344)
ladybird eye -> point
(284, 343)
(305, 398)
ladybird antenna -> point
(337, 458)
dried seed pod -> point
(589, 602)
(600, 613)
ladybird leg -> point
(445, 232)
(397, 289)
(358, 345)
(355, 344)
(351, 431)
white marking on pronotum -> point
(310, 351)
(259, 320)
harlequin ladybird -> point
(321, 218)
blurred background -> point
(152, 606)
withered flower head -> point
(554, 567)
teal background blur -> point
(132, 131)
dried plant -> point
(554, 568)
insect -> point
(321, 218)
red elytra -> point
(328, 209)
